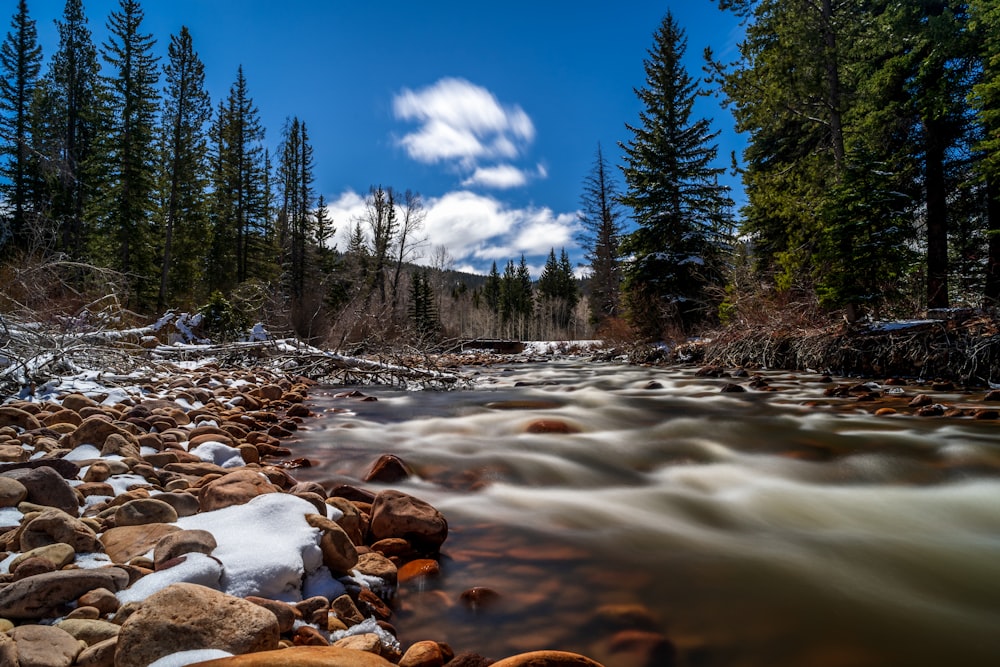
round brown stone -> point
(547, 659)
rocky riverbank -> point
(163, 525)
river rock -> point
(375, 564)
(421, 568)
(97, 472)
(235, 488)
(367, 642)
(8, 650)
(302, 656)
(284, 612)
(29, 567)
(116, 444)
(339, 553)
(12, 492)
(11, 416)
(44, 646)
(47, 487)
(94, 430)
(143, 511)
(184, 617)
(350, 519)
(182, 542)
(59, 554)
(55, 526)
(101, 599)
(397, 514)
(90, 632)
(64, 416)
(423, 654)
(548, 659)
(77, 402)
(185, 504)
(124, 543)
(388, 469)
(101, 654)
(14, 453)
(41, 595)
(345, 610)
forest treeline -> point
(871, 175)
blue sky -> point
(492, 111)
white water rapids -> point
(759, 528)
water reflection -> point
(613, 505)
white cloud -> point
(475, 228)
(463, 123)
(501, 176)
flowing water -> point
(761, 528)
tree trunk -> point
(992, 287)
(937, 218)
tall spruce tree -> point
(678, 205)
(242, 239)
(183, 213)
(20, 62)
(124, 216)
(600, 219)
(68, 119)
(296, 221)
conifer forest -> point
(871, 177)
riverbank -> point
(161, 523)
(961, 346)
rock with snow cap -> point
(235, 488)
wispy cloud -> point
(465, 125)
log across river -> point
(602, 509)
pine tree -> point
(125, 212)
(423, 310)
(673, 191)
(601, 239)
(296, 228)
(68, 118)
(183, 214)
(20, 62)
(242, 238)
(491, 290)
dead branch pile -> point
(32, 353)
(962, 349)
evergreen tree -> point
(491, 290)
(68, 117)
(296, 228)
(20, 62)
(423, 310)
(789, 92)
(183, 214)
(557, 288)
(242, 240)
(985, 99)
(125, 212)
(673, 191)
(601, 239)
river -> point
(610, 505)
